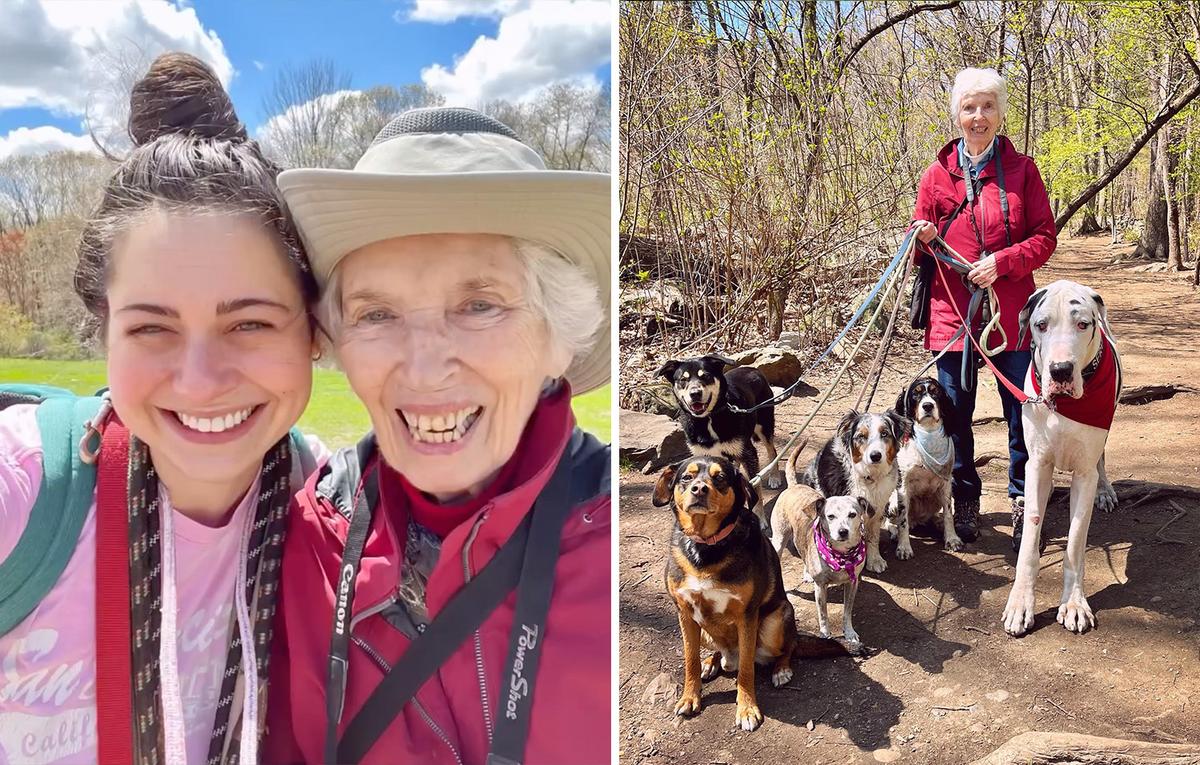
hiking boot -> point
(966, 519)
(1018, 521)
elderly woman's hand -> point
(984, 273)
(926, 231)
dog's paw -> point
(729, 662)
(806, 577)
(904, 550)
(875, 563)
(1076, 615)
(1106, 499)
(825, 633)
(748, 716)
(688, 705)
(781, 677)
(774, 480)
(1018, 614)
(853, 641)
(710, 667)
(953, 543)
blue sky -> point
(55, 55)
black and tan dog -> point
(726, 582)
(705, 391)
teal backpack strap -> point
(56, 520)
(303, 454)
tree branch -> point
(1169, 110)
(888, 24)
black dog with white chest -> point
(704, 391)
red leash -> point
(114, 663)
(1017, 392)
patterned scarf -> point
(837, 560)
(262, 567)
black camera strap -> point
(526, 561)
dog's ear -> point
(866, 507)
(1101, 310)
(752, 497)
(664, 489)
(717, 363)
(667, 370)
(902, 426)
(949, 414)
(902, 400)
(847, 423)
(1030, 306)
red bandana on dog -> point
(1098, 403)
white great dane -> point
(1078, 371)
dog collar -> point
(836, 560)
(714, 538)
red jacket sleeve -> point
(925, 208)
(1031, 253)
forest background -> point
(770, 150)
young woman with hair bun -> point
(151, 644)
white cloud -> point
(42, 140)
(60, 55)
(301, 113)
(544, 41)
(259, 65)
(446, 11)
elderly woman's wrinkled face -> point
(979, 118)
(440, 342)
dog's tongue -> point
(698, 408)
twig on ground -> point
(1065, 712)
(639, 536)
(955, 709)
(635, 584)
(1171, 540)
(977, 629)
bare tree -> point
(362, 115)
(568, 124)
(304, 102)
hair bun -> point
(181, 94)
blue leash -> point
(897, 259)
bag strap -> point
(114, 663)
(57, 517)
(530, 549)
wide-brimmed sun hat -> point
(458, 171)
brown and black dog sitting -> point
(727, 584)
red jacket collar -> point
(545, 436)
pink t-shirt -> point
(48, 662)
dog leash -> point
(905, 248)
(1017, 392)
(892, 275)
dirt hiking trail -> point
(946, 684)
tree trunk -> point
(1076, 749)
(1153, 245)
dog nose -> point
(927, 406)
(1061, 371)
(875, 456)
(696, 395)
(843, 533)
(699, 489)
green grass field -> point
(333, 413)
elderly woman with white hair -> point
(988, 202)
(447, 589)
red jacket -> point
(941, 190)
(570, 718)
